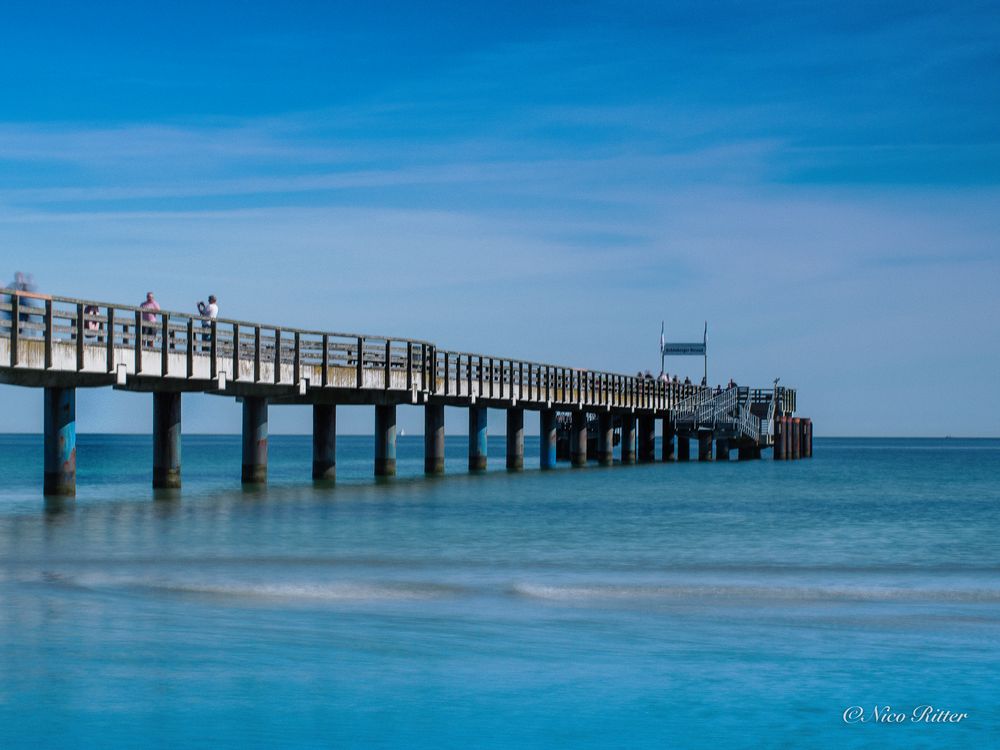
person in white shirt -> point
(210, 312)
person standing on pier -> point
(209, 312)
(149, 332)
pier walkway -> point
(60, 344)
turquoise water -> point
(688, 605)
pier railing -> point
(52, 333)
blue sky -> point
(820, 182)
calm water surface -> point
(721, 605)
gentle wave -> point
(273, 590)
(783, 593)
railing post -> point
(48, 333)
(409, 365)
(296, 357)
(15, 325)
(213, 351)
(236, 351)
(79, 336)
(256, 354)
(165, 327)
(110, 363)
(324, 376)
(137, 342)
(359, 374)
(190, 348)
(277, 355)
(388, 363)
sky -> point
(820, 182)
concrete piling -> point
(646, 438)
(796, 438)
(60, 442)
(434, 439)
(385, 440)
(705, 445)
(779, 438)
(605, 439)
(477, 438)
(167, 440)
(722, 449)
(578, 439)
(787, 438)
(515, 439)
(667, 442)
(547, 438)
(324, 441)
(683, 446)
(628, 438)
(254, 440)
(747, 452)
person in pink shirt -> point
(149, 332)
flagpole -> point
(704, 342)
(663, 356)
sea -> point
(820, 603)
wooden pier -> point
(60, 344)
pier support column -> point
(747, 452)
(605, 439)
(167, 440)
(683, 446)
(647, 438)
(722, 449)
(628, 438)
(60, 442)
(547, 438)
(254, 440)
(477, 438)
(515, 439)
(667, 443)
(786, 431)
(809, 438)
(578, 439)
(779, 438)
(796, 438)
(705, 446)
(324, 441)
(385, 440)
(434, 439)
